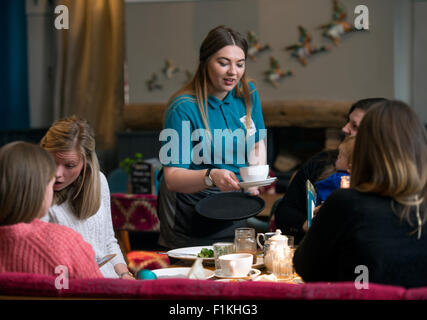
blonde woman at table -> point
(378, 225)
(82, 197)
(27, 175)
(218, 98)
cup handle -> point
(257, 239)
(232, 267)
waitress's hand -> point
(225, 180)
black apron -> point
(180, 224)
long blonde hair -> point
(390, 158)
(216, 39)
(25, 171)
(84, 194)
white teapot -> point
(277, 254)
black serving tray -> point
(230, 206)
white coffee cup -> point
(236, 264)
(254, 173)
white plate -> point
(167, 273)
(252, 274)
(260, 183)
(230, 280)
(189, 253)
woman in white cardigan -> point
(82, 196)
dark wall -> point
(28, 135)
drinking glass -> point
(291, 241)
(345, 182)
(245, 242)
(220, 249)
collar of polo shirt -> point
(214, 102)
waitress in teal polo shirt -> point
(213, 126)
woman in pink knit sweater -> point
(27, 175)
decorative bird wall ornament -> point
(152, 83)
(169, 69)
(275, 74)
(254, 47)
(338, 26)
(303, 49)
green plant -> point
(126, 164)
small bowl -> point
(254, 173)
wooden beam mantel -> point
(305, 113)
(283, 113)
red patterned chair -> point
(139, 260)
(133, 212)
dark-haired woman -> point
(291, 211)
(378, 225)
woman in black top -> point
(378, 225)
(291, 211)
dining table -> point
(264, 274)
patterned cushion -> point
(139, 260)
(134, 212)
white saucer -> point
(252, 274)
(260, 183)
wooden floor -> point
(269, 199)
